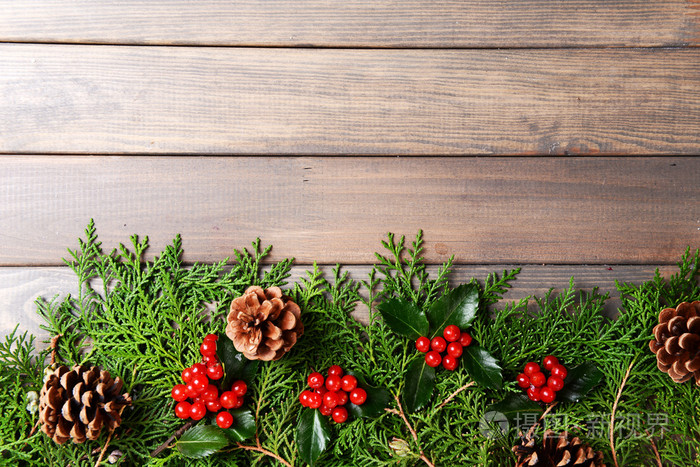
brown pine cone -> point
(264, 324)
(75, 404)
(676, 342)
(556, 449)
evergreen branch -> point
(401, 414)
(614, 409)
(260, 449)
(454, 394)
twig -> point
(104, 449)
(175, 435)
(258, 448)
(454, 394)
(544, 414)
(653, 447)
(614, 409)
(54, 344)
(401, 414)
(36, 425)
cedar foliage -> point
(144, 320)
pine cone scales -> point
(264, 324)
(676, 342)
(76, 404)
(556, 450)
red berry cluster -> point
(452, 343)
(329, 395)
(203, 395)
(539, 387)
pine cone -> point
(264, 325)
(677, 342)
(556, 450)
(76, 404)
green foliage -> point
(143, 320)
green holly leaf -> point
(482, 367)
(201, 441)
(313, 434)
(513, 406)
(404, 318)
(235, 365)
(456, 307)
(377, 400)
(579, 381)
(243, 427)
(418, 388)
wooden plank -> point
(576, 210)
(355, 23)
(20, 287)
(189, 100)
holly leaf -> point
(456, 307)
(377, 400)
(313, 434)
(418, 388)
(482, 367)
(243, 427)
(201, 441)
(513, 406)
(236, 366)
(404, 318)
(579, 381)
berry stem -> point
(454, 394)
(614, 409)
(401, 414)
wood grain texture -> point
(576, 210)
(21, 287)
(354, 23)
(188, 100)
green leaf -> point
(243, 427)
(201, 441)
(313, 434)
(482, 367)
(514, 405)
(456, 307)
(377, 400)
(404, 318)
(420, 381)
(236, 366)
(579, 381)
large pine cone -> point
(75, 404)
(556, 450)
(676, 342)
(264, 324)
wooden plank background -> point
(226, 121)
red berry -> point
(187, 375)
(315, 400)
(211, 337)
(182, 410)
(179, 392)
(228, 399)
(533, 393)
(210, 360)
(449, 362)
(325, 410)
(547, 394)
(198, 410)
(213, 406)
(452, 333)
(340, 414)
(455, 349)
(433, 358)
(538, 379)
(465, 339)
(200, 382)
(358, 396)
(333, 382)
(315, 380)
(304, 398)
(523, 381)
(238, 403)
(559, 371)
(330, 399)
(210, 393)
(224, 420)
(191, 391)
(438, 344)
(531, 368)
(348, 383)
(322, 390)
(215, 371)
(335, 370)
(342, 397)
(239, 388)
(423, 344)
(549, 361)
(556, 383)
(199, 369)
(208, 348)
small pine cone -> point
(264, 324)
(556, 450)
(676, 342)
(75, 404)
